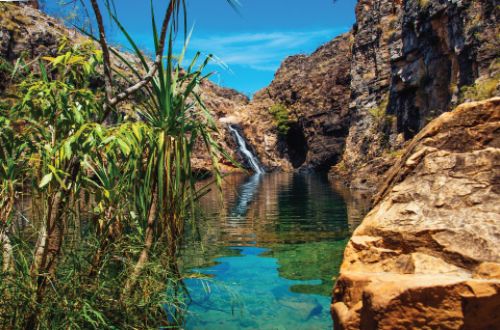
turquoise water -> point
(265, 256)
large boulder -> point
(428, 254)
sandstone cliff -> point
(412, 61)
(315, 91)
(357, 100)
(428, 254)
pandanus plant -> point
(174, 119)
(58, 144)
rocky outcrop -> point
(377, 39)
(411, 61)
(428, 254)
(359, 99)
(446, 45)
(315, 91)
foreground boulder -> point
(428, 255)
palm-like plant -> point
(55, 147)
(175, 119)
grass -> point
(481, 90)
(424, 3)
(379, 113)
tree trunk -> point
(50, 241)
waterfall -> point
(252, 159)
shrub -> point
(281, 117)
(423, 3)
(378, 113)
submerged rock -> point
(428, 255)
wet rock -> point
(428, 254)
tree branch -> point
(105, 50)
(108, 79)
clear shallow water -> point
(264, 256)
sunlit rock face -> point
(315, 91)
(428, 254)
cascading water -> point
(252, 159)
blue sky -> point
(249, 45)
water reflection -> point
(275, 208)
(270, 249)
(246, 194)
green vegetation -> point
(484, 88)
(395, 153)
(92, 206)
(281, 117)
(481, 90)
(379, 113)
(423, 3)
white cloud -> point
(261, 51)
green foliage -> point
(341, 166)
(423, 3)
(281, 117)
(395, 153)
(379, 113)
(77, 301)
(110, 201)
(481, 90)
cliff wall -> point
(314, 90)
(411, 62)
(357, 100)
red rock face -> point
(428, 255)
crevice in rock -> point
(295, 144)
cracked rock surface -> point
(428, 255)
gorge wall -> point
(412, 61)
(314, 90)
(357, 100)
(427, 255)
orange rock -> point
(428, 255)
